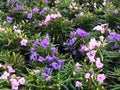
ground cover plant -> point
(59, 45)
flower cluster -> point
(7, 75)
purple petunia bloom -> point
(21, 7)
(81, 32)
(32, 50)
(8, 3)
(35, 10)
(112, 35)
(44, 43)
(37, 42)
(54, 65)
(61, 64)
(9, 19)
(47, 70)
(54, 50)
(49, 58)
(44, 75)
(41, 59)
(116, 11)
(33, 56)
(46, 1)
(72, 41)
(16, 1)
(74, 52)
(29, 16)
(118, 37)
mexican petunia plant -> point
(59, 45)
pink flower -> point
(78, 66)
(100, 78)
(78, 84)
(5, 75)
(36, 71)
(99, 28)
(87, 75)
(93, 43)
(98, 63)
(10, 69)
(24, 42)
(21, 80)
(14, 84)
(91, 55)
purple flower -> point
(29, 16)
(61, 63)
(118, 37)
(49, 58)
(15, 8)
(54, 65)
(45, 43)
(41, 59)
(112, 35)
(44, 75)
(32, 50)
(36, 71)
(33, 56)
(73, 33)
(47, 70)
(54, 57)
(35, 10)
(116, 11)
(72, 41)
(48, 78)
(54, 50)
(37, 42)
(46, 1)
(81, 32)
(16, 1)
(8, 2)
(9, 19)
(74, 52)
(21, 7)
